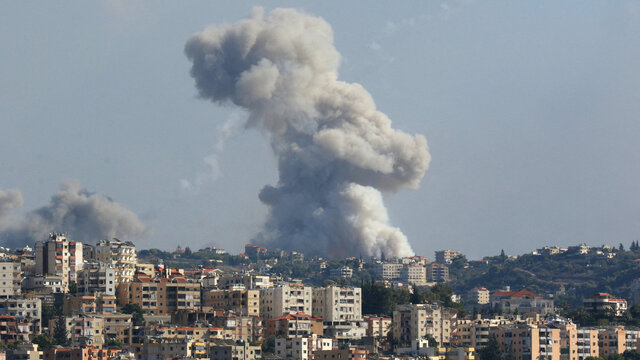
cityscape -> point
(109, 300)
(441, 180)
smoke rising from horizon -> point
(84, 216)
(336, 152)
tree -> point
(44, 342)
(60, 333)
(136, 313)
(73, 288)
(491, 351)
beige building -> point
(242, 301)
(389, 270)
(416, 321)
(529, 342)
(162, 296)
(414, 275)
(285, 299)
(82, 329)
(60, 257)
(437, 272)
(10, 278)
(225, 350)
(604, 301)
(121, 254)
(447, 256)
(480, 295)
(336, 304)
(377, 326)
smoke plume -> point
(84, 216)
(336, 152)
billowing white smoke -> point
(85, 216)
(336, 152)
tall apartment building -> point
(389, 271)
(162, 296)
(529, 342)
(121, 254)
(10, 278)
(480, 295)
(416, 321)
(437, 272)
(241, 301)
(447, 256)
(97, 277)
(60, 257)
(285, 299)
(336, 304)
(414, 275)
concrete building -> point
(242, 301)
(335, 304)
(529, 342)
(294, 326)
(97, 277)
(60, 257)
(254, 250)
(377, 326)
(18, 329)
(161, 296)
(248, 281)
(389, 270)
(222, 350)
(43, 284)
(416, 321)
(121, 254)
(10, 278)
(302, 348)
(480, 295)
(354, 354)
(522, 301)
(343, 272)
(437, 272)
(82, 329)
(285, 299)
(414, 274)
(21, 307)
(25, 351)
(604, 301)
(447, 256)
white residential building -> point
(60, 257)
(121, 254)
(334, 303)
(285, 299)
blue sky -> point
(530, 112)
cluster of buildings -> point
(113, 306)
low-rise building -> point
(241, 301)
(522, 301)
(605, 301)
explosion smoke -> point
(335, 151)
(85, 216)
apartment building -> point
(161, 296)
(447, 256)
(529, 342)
(416, 321)
(480, 295)
(226, 350)
(248, 281)
(21, 307)
(353, 354)
(414, 274)
(476, 332)
(241, 301)
(617, 340)
(96, 303)
(236, 327)
(522, 301)
(377, 326)
(605, 301)
(294, 326)
(121, 254)
(285, 299)
(10, 278)
(60, 257)
(44, 284)
(97, 277)
(389, 270)
(301, 348)
(437, 272)
(337, 304)
(82, 329)
(18, 329)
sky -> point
(529, 109)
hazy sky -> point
(529, 108)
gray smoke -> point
(335, 151)
(84, 216)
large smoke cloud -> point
(84, 216)
(335, 150)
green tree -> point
(73, 288)
(491, 351)
(136, 313)
(44, 341)
(60, 333)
